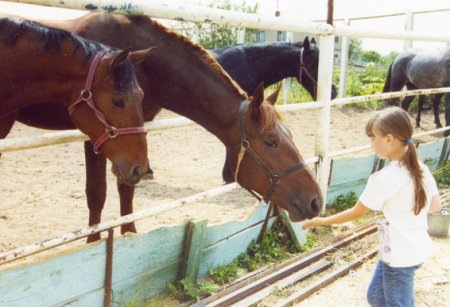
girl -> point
(405, 191)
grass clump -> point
(185, 289)
(343, 202)
(442, 176)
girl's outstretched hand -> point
(317, 221)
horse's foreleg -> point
(227, 173)
(436, 102)
(406, 102)
(419, 109)
(126, 193)
(95, 186)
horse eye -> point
(271, 143)
(118, 103)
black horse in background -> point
(420, 70)
(250, 64)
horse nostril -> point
(315, 206)
(136, 174)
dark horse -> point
(184, 78)
(97, 85)
(420, 70)
(251, 64)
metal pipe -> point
(61, 137)
(324, 95)
(84, 232)
(182, 12)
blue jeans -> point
(392, 286)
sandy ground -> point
(432, 283)
(42, 190)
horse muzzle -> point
(307, 209)
(128, 174)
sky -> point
(314, 10)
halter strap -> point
(274, 177)
(86, 96)
(308, 74)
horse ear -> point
(257, 98)
(313, 41)
(272, 99)
(119, 57)
(306, 43)
(139, 56)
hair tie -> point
(409, 142)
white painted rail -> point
(61, 137)
(175, 11)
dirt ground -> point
(42, 190)
(432, 283)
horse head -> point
(269, 163)
(309, 67)
(110, 106)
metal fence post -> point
(324, 95)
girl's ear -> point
(390, 138)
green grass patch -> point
(442, 176)
(342, 202)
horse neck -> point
(195, 92)
(274, 63)
(45, 77)
(176, 75)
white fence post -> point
(324, 95)
(287, 81)
(240, 36)
(343, 64)
(409, 26)
(286, 90)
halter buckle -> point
(275, 179)
(85, 95)
(245, 144)
(111, 132)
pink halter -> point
(86, 96)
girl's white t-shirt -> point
(404, 240)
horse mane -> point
(13, 29)
(202, 53)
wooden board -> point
(431, 153)
(226, 250)
(79, 275)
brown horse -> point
(96, 84)
(184, 78)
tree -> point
(211, 35)
(355, 49)
(370, 56)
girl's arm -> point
(345, 216)
(436, 204)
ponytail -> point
(411, 162)
(396, 121)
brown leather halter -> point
(274, 177)
(86, 96)
(307, 72)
